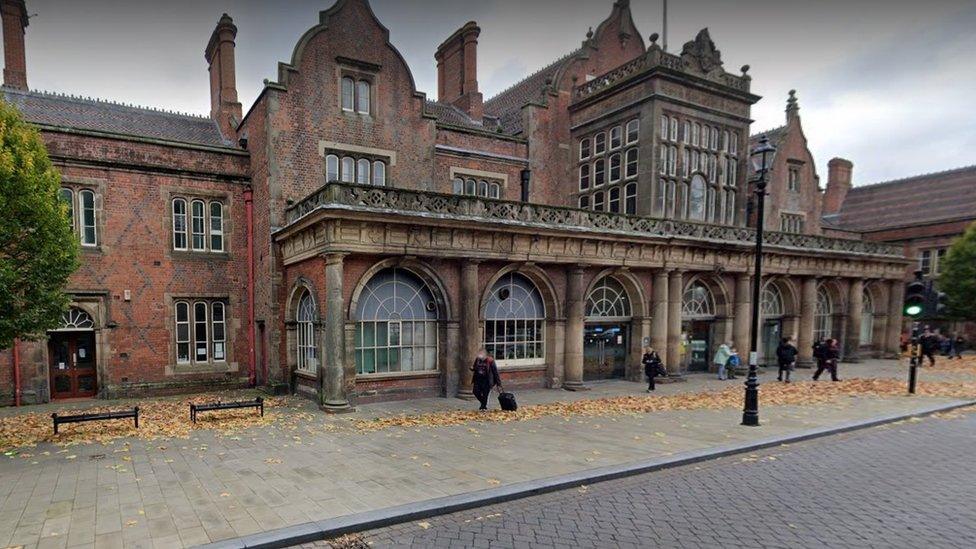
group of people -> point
(932, 342)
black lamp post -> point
(761, 158)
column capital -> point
(332, 258)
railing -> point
(425, 203)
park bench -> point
(197, 408)
(79, 418)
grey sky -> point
(888, 84)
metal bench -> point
(79, 418)
(197, 408)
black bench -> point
(197, 408)
(79, 418)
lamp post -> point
(761, 158)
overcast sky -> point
(888, 84)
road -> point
(911, 484)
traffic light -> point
(915, 294)
(940, 304)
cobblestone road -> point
(909, 484)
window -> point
(713, 168)
(182, 332)
(631, 170)
(201, 331)
(823, 317)
(660, 197)
(470, 187)
(599, 172)
(710, 205)
(733, 171)
(68, 198)
(672, 160)
(925, 262)
(633, 131)
(495, 191)
(514, 329)
(362, 172)
(197, 226)
(584, 202)
(685, 162)
(607, 299)
(725, 141)
(613, 200)
(331, 168)
(694, 161)
(615, 137)
(218, 333)
(630, 199)
(348, 94)
(584, 177)
(663, 160)
(348, 169)
(307, 350)
(867, 319)
(696, 199)
(686, 134)
(457, 185)
(379, 173)
(791, 223)
(793, 182)
(615, 168)
(600, 143)
(697, 302)
(672, 202)
(362, 97)
(714, 139)
(730, 207)
(695, 132)
(674, 129)
(88, 234)
(216, 227)
(584, 148)
(483, 188)
(598, 201)
(396, 325)
(665, 125)
(734, 148)
(179, 224)
(939, 258)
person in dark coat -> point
(829, 354)
(930, 345)
(786, 358)
(652, 366)
(485, 377)
(958, 346)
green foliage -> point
(38, 248)
(958, 275)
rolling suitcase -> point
(507, 402)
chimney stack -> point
(838, 183)
(792, 108)
(457, 71)
(225, 109)
(14, 15)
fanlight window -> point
(608, 299)
(697, 302)
(515, 321)
(771, 305)
(76, 319)
(822, 315)
(867, 320)
(396, 325)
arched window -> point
(771, 305)
(867, 319)
(584, 148)
(348, 94)
(362, 172)
(613, 200)
(483, 188)
(200, 332)
(631, 168)
(630, 199)
(598, 200)
(600, 143)
(584, 202)
(89, 236)
(76, 319)
(68, 197)
(218, 334)
(633, 130)
(331, 168)
(515, 321)
(614, 167)
(396, 325)
(615, 136)
(584, 177)
(608, 299)
(379, 173)
(197, 226)
(697, 302)
(599, 172)
(348, 169)
(179, 224)
(457, 185)
(182, 332)
(823, 316)
(362, 97)
(495, 191)
(696, 198)
(470, 187)
(216, 227)
(307, 350)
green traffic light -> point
(913, 310)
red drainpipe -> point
(16, 352)
(249, 213)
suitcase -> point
(507, 402)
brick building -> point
(596, 206)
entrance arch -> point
(607, 330)
(72, 354)
(771, 311)
(698, 314)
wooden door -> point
(73, 366)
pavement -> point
(907, 484)
(309, 466)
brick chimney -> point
(838, 183)
(457, 71)
(225, 109)
(14, 14)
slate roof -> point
(449, 114)
(79, 113)
(507, 105)
(923, 199)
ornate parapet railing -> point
(350, 196)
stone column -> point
(852, 338)
(741, 330)
(333, 379)
(659, 317)
(896, 303)
(675, 292)
(808, 305)
(470, 327)
(573, 356)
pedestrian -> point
(786, 358)
(652, 366)
(958, 346)
(929, 343)
(829, 353)
(733, 363)
(485, 377)
(945, 343)
(721, 358)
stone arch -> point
(633, 287)
(418, 268)
(717, 288)
(538, 276)
(299, 287)
(788, 292)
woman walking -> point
(786, 357)
(485, 377)
(652, 366)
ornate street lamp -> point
(761, 158)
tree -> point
(958, 275)
(38, 247)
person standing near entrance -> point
(721, 358)
(652, 366)
(786, 358)
(485, 377)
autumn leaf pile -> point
(163, 418)
(775, 394)
(966, 364)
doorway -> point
(699, 334)
(72, 364)
(772, 332)
(604, 351)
